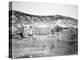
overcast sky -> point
(38, 8)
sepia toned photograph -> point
(42, 29)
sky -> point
(38, 8)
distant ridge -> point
(54, 16)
